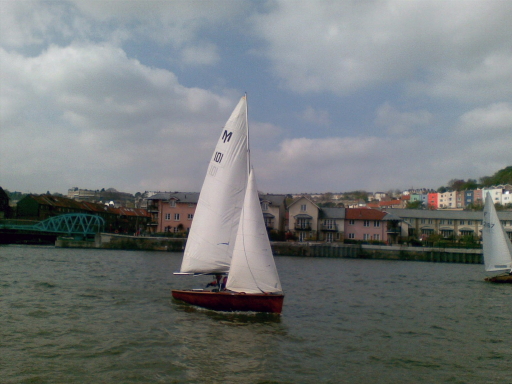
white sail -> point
(212, 235)
(253, 269)
(496, 244)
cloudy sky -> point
(343, 95)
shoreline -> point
(306, 249)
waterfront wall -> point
(114, 241)
(382, 252)
(306, 249)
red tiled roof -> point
(364, 214)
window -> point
(461, 222)
(176, 217)
(366, 236)
(351, 236)
(329, 224)
(376, 237)
(167, 216)
(376, 224)
(176, 229)
(441, 221)
(351, 222)
(264, 206)
(366, 223)
(190, 216)
(470, 222)
(172, 203)
(303, 207)
(450, 222)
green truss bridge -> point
(71, 224)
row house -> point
(309, 222)
(174, 211)
(117, 220)
(303, 218)
(365, 224)
(420, 224)
(274, 211)
(432, 200)
(451, 200)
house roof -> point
(332, 213)
(64, 202)
(160, 196)
(300, 198)
(364, 214)
(444, 214)
(185, 197)
(276, 200)
(182, 197)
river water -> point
(98, 316)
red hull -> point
(231, 301)
(500, 279)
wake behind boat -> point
(497, 247)
(228, 233)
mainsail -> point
(497, 247)
(253, 269)
(212, 235)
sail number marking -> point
(487, 225)
(218, 157)
(226, 136)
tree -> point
(503, 176)
(418, 204)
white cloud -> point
(205, 54)
(87, 112)
(345, 46)
(316, 116)
(495, 119)
(399, 123)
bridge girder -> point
(72, 224)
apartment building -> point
(449, 224)
(365, 224)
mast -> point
(247, 125)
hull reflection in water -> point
(232, 301)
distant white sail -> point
(212, 235)
(497, 247)
(253, 269)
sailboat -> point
(497, 247)
(228, 234)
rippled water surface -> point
(95, 316)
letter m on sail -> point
(226, 136)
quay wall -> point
(115, 241)
(306, 249)
(380, 252)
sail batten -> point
(497, 247)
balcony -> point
(303, 227)
(152, 208)
(330, 227)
